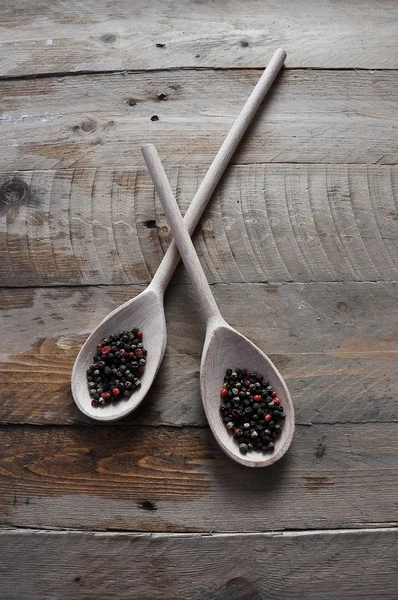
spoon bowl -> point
(225, 348)
(146, 312)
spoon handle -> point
(218, 166)
(180, 233)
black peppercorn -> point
(111, 375)
(250, 409)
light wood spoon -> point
(146, 310)
(224, 347)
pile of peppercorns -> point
(251, 410)
(118, 365)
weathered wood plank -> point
(99, 478)
(336, 344)
(100, 35)
(86, 121)
(357, 565)
(265, 223)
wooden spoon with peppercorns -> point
(146, 311)
(223, 345)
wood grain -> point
(264, 223)
(168, 479)
(309, 117)
(100, 35)
(228, 566)
(335, 343)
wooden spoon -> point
(224, 347)
(146, 310)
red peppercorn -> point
(140, 335)
(106, 350)
(234, 412)
(274, 394)
(138, 353)
(141, 369)
(267, 418)
(94, 403)
(122, 352)
(115, 391)
(131, 355)
(277, 400)
(257, 398)
(99, 346)
(274, 435)
(224, 392)
(105, 395)
(243, 389)
(238, 432)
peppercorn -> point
(112, 375)
(250, 405)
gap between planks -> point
(378, 528)
(52, 74)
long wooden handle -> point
(180, 232)
(219, 164)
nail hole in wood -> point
(147, 505)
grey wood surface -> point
(266, 223)
(311, 116)
(177, 479)
(335, 343)
(300, 245)
(328, 565)
(94, 35)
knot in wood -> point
(14, 192)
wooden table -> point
(300, 245)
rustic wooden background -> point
(300, 244)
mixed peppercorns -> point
(118, 365)
(251, 410)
